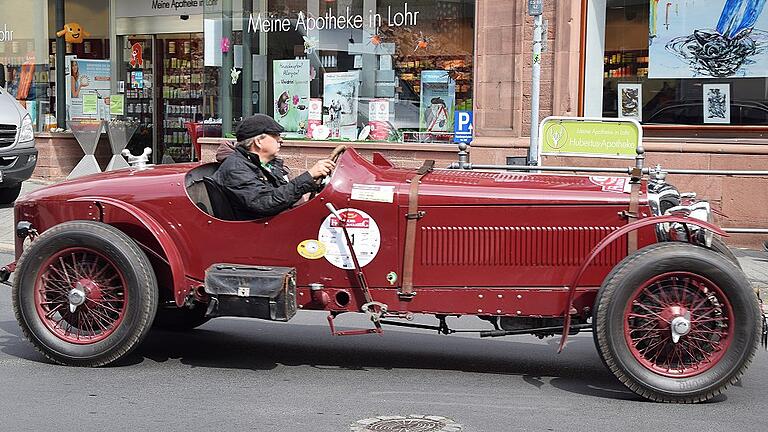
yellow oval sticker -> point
(311, 249)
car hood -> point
(10, 110)
(476, 187)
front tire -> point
(84, 294)
(693, 290)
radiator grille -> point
(478, 177)
(516, 246)
(7, 135)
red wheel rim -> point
(80, 296)
(670, 301)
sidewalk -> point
(754, 263)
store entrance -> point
(163, 83)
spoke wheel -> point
(678, 324)
(80, 296)
(84, 294)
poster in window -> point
(717, 103)
(688, 40)
(90, 78)
(631, 101)
(340, 100)
(291, 96)
(438, 94)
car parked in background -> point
(18, 155)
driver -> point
(255, 179)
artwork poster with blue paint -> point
(708, 39)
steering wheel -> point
(334, 157)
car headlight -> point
(26, 131)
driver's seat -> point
(220, 205)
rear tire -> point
(9, 194)
(84, 294)
(668, 284)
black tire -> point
(8, 194)
(119, 294)
(615, 308)
(181, 319)
(719, 246)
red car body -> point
(482, 232)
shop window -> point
(679, 62)
(24, 68)
(379, 70)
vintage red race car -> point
(102, 258)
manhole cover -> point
(411, 423)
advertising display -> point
(291, 94)
(438, 94)
(378, 119)
(88, 89)
(340, 100)
(315, 116)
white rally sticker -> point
(363, 231)
(375, 193)
(612, 184)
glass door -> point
(180, 69)
(136, 78)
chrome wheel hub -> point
(76, 297)
(680, 325)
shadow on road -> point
(238, 344)
(14, 344)
(263, 346)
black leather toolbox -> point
(251, 291)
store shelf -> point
(622, 64)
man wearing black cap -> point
(255, 179)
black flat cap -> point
(255, 125)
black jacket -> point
(258, 191)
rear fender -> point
(119, 212)
(634, 226)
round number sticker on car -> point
(311, 249)
(363, 232)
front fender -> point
(633, 226)
(115, 211)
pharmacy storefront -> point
(357, 70)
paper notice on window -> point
(117, 105)
(90, 103)
(374, 193)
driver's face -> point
(269, 146)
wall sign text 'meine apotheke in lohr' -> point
(329, 21)
(5, 34)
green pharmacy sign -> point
(590, 137)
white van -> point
(18, 155)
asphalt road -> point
(243, 375)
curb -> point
(7, 248)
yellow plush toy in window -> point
(73, 33)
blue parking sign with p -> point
(462, 127)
